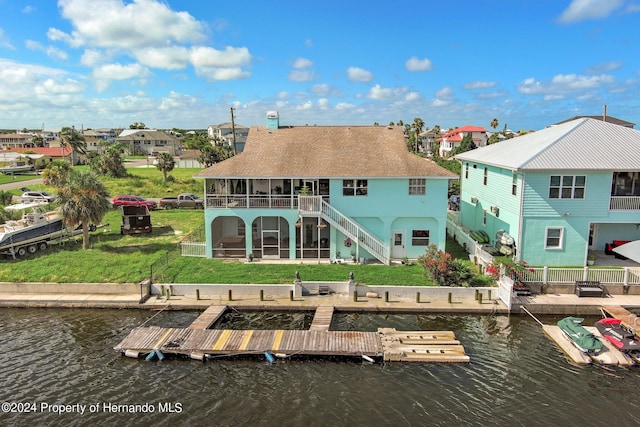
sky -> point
(186, 64)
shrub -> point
(443, 270)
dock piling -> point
(449, 298)
(197, 294)
(418, 297)
(261, 295)
(230, 296)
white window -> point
(417, 186)
(567, 186)
(514, 184)
(553, 238)
(420, 237)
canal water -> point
(55, 360)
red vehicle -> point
(133, 201)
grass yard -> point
(147, 182)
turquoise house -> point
(324, 193)
(559, 192)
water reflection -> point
(516, 376)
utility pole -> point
(233, 132)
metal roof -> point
(583, 144)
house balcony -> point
(624, 203)
(235, 201)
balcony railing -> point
(252, 201)
(624, 203)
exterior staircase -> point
(316, 206)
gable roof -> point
(582, 144)
(326, 151)
(609, 119)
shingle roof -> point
(47, 151)
(583, 144)
(326, 151)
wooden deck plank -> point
(208, 317)
(309, 342)
(322, 318)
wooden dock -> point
(208, 317)
(199, 342)
(322, 319)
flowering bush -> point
(442, 269)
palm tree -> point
(37, 140)
(70, 137)
(56, 173)
(418, 124)
(494, 124)
(83, 200)
(165, 162)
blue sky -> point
(184, 64)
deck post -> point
(386, 296)
(197, 294)
(230, 296)
(261, 295)
(479, 298)
(290, 295)
(476, 297)
(355, 296)
(418, 297)
(449, 298)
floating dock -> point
(608, 356)
(628, 319)
(199, 342)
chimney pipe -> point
(604, 113)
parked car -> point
(185, 200)
(133, 201)
(37, 196)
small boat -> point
(584, 340)
(621, 338)
(16, 168)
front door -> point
(593, 236)
(270, 244)
(397, 248)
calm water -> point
(516, 377)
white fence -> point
(624, 276)
(195, 249)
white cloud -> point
(52, 87)
(4, 42)
(51, 51)
(380, 93)
(445, 92)
(415, 64)
(580, 10)
(105, 74)
(343, 106)
(564, 83)
(323, 104)
(301, 76)
(302, 63)
(320, 89)
(413, 97)
(308, 105)
(480, 85)
(356, 74)
(604, 67)
(150, 32)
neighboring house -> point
(429, 139)
(98, 139)
(189, 159)
(43, 155)
(559, 192)
(9, 141)
(325, 192)
(149, 141)
(224, 134)
(453, 138)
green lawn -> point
(114, 258)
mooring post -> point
(261, 295)
(168, 294)
(197, 294)
(161, 290)
(418, 297)
(476, 297)
(355, 296)
(449, 298)
(386, 296)
(230, 295)
(290, 295)
(479, 298)
(489, 294)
